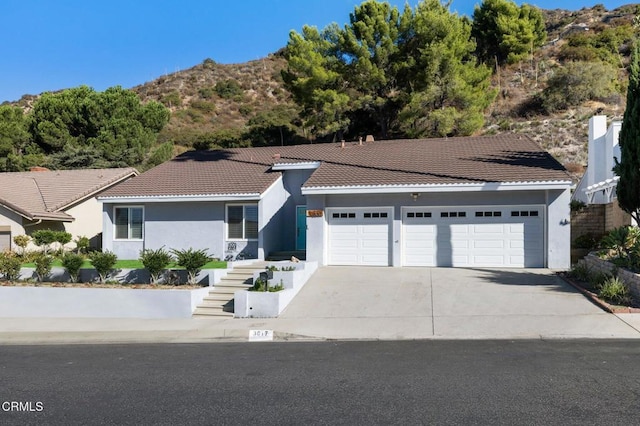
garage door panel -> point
(488, 229)
(489, 244)
(361, 239)
(488, 236)
(497, 260)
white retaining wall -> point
(58, 302)
(258, 304)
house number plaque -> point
(314, 213)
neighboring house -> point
(60, 200)
(598, 184)
(497, 201)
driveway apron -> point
(446, 303)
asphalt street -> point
(408, 382)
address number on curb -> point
(260, 335)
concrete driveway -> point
(449, 303)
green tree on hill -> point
(506, 33)
(628, 167)
(114, 123)
(450, 90)
(410, 73)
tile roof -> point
(501, 158)
(46, 194)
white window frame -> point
(244, 218)
(128, 224)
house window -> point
(128, 223)
(242, 222)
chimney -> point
(597, 140)
(39, 169)
(360, 141)
(369, 138)
(342, 144)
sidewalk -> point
(92, 331)
(372, 304)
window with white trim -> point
(128, 223)
(242, 222)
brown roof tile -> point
(502, 158)
(46, 194)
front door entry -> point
(301, 227)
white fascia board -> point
(307, 165)
(457, 187)
(181, 198)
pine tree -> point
(628, 167)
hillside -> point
(210, 98)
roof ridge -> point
(125, 172)
(44, 203)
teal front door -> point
(301, 227)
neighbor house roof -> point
(491, 159)
(46, 194)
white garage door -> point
(502, 236)
(359, 236)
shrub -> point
(580, 271)
(620, 241)
(191, 260)
(259, 285)
(203, 106)
(22, 241)
(206, 92)
(43, 266)
(62, 238)
(263, 286)
(82, 244)
(44, 238)
(103, 262)
(577, 205)
(227, 89)
(586, 241)
(245, 110)
(155, 261)
(162, 153)
(72, 263)
(578, 82)
(10, 266)
(597, 279)
(172, 99)
(613, 290)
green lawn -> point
(134, 264)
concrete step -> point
(230, 286)
(219, 301)
(218, 297)
(212, 313)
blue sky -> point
(51, 45)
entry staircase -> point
(219, 301)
